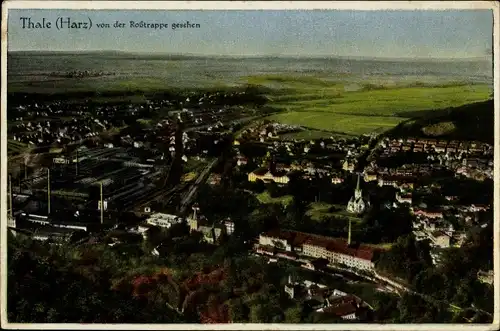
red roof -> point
(342, 310)
(337, 245)
(287, 254)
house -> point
(370, 176)
(267, 175)
(428, 214)
(386, 181)
(477, 208)
(337, 180)
(404, 198)
(229, 226)
(440, 148)
(349, 165)
(214, 179)
(418, 148)
(346, 311)
(346, 306)
(241, 161)
(138, 144)
(440, 239)
(485, 277)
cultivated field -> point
(354, 109)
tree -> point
(237, 310)
(274, 190)
(257, 314)
(293, 314)
(259, 186)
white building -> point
(229, 227)
(164, 220)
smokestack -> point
(76, 162)
(349, 234)
(48, 190)
(10, 197)
(102, 207)
(272, 164)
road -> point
(186, 200)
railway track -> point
(157, 195)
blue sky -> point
(423, 34)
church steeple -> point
(357, 204)
(357, 191)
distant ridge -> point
(295, 57)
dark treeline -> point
(251, 94)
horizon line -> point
(304, 56)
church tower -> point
(193, 221)
(357, 205)
(358, 194)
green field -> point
(265, 198)
(109, 84)
(320, 212)
(309, 134)
(354, 109)
(337, 123)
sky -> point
(387, 34)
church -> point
(357, 204)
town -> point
(206, 171)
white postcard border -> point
(250, 5)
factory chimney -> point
(10, 198)
(102, 207)
(76, 163)
(349, 235)
(48, 191)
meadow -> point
(320, 212)
(266, 198)
(359, 108)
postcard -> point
(250, 165)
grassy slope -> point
(334, 106)
(471, 122)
